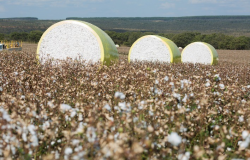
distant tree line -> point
(33, 36)
(229, 25)
(21, 18)
(218, 40)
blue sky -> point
(60, 9)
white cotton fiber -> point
(150, 49)
(154, 49)
(76, 40)
(70, 40)
(199, 52)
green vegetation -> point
(223, 32)
(21, 19)
(8, 26)
(218, 40)
(33, 36)
(229, 25)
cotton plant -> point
(76, 110)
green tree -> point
(183, 39)
(118, 38)
(133, 36)
(34, 36)
(240, 43)
(2, 36)
(16, 36)
(24, 36)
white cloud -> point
(167, 5)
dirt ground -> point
(231, 56)
(234, 56)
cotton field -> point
(136, 110)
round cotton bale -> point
(155, 49)
(77, 40)
(199, 52)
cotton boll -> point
(183, 129)
(80, 117)
(15, 73)
(48, 94)
(68, 151)
(135, 119)
(166, 78)
(178, 96)
(57, 155)
(75, 142)
(244, 144)
(118, 109)
(217, 77)
(207, 84)
(245, 134)
(107, 107)
(65, 107)
(24, 137)
(52, 143)
(185, 99)
(120, 95)
(5, 114)
(185, 156)
(241, 119)
(46, 125)
(151, 113)
(91, 135)
(34, 141)
(156, 82)
(122, 105)
(73, 114)
(22, 97)
(174, 139)
(221, 86)
(50, 104)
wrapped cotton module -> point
(154, 48)
(199, 52)
(77, 40)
